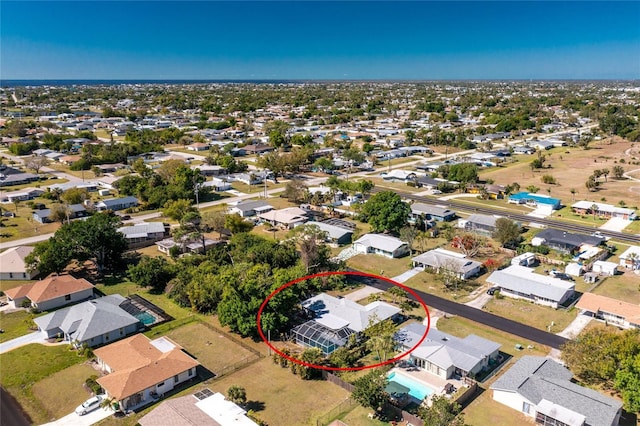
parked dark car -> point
(492, 291)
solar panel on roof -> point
(203, 394)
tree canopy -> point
(385, 211)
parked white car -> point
(89, 405)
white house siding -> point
(530, 298)
(514, 401)
(62, 301)
(7, 276)
(160, 388)
(112, 336)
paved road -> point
(552, 223)
(11, 414)
(477, 315)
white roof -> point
(224, 412)
(380, 241)
(141, 229)
(602, 207)
(163, 344)
(523, 280)
(288, 215)
(337, 313)
(632, 249)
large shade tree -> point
(385, 211)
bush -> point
(93, 385)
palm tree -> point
(573, 194)
(594, 210)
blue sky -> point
(319, 40)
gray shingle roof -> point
(334, 232)
(142, 228)
(89, 319)
(538, 378)
(482, 219)
(421, 208)
(435, 259)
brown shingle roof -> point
(137, 364)
(52, 287)
(596, 303)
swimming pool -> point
(146, 318)
(417, 390)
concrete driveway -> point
(88, 419)
(35, 337)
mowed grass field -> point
(23, 368)
(63, 391)
(571, 167)
(280, 397)
(212, 349)
(531, 314)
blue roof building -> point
(535, 200)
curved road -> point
(500, 323)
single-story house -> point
(18, 179)
(447, 356)
(524, 150)
(335, 234)
(217, 184)
(94, 322)
(204, 408)
(399, 175)
(525, 259)
(630, 259)
(535, 200)
(188, 245)
(605, 268)
(430, 212)
(384, 245)
(53, 292)
(520, 282)
(456, 263)
(22, 195)
(565, 242)
(140, 370)
(603, 210)
(288, 217)
(336, 319)
(479, 223)
(198, 146)
(541, 145)
(13, 264)
(116, 203)
(144, 234)
(250, 208)
(110, 168)
(210, 170)
(257, 149)
(70, 159)
(617, 312)
(543, 389)
(75, 211)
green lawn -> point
(280, 397)
(212, 349)
(462, 327)
(531, 314)
(431, 284)
(624, 287)
(23, 367)
(484, 411)
(15, 324)
(7, 284)
(380, 265)
(62, 392)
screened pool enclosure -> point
(315, 335)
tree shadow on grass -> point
(255, 405)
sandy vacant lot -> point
(571, 167)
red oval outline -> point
(329, 368)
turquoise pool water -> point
(417, 389)
(146, 318)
